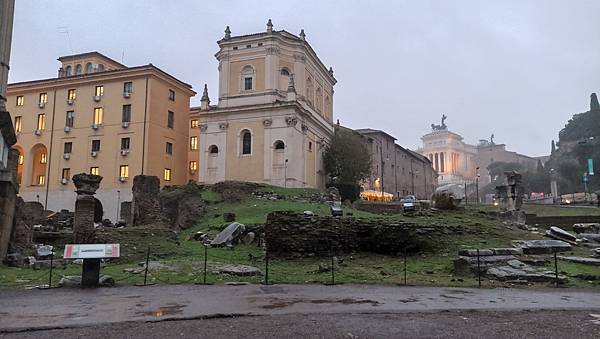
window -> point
(124, 171)
(41, 180)
(18, 124)
(95, 170)
(193, 166)
(194, 123)
(125, 143)
(41, 124)
(128, 87)
(171, 95)
(98, 115)
(167, 174)
(285, 72)
(310, 146)
(279, 145)
(99, 91)
(100, 68)
(126, 116)
(213, 150)
(170, 119)
(69, 71)
(70, 119)
(66, 173)
(95, 145)
(246, 142)
(194, 143)
(43, 98)
(248, 78)
(78, 69)
(169, 148)
(71, 94)
(20, 100)
(21, 159)
(68, 147)
(43, 158)
(88, 68)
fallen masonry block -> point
(464, 265)
(560, 234)
(591, 227)
(507, 251)
(581, 260)
(504, 273)
(473, 253)
(541, 246)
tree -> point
(347, 159)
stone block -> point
(542, 246)
(473, 253)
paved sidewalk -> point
(57, 308)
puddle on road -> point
(163, 311)
(281, 303)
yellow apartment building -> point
(274, 114)
(99, 116)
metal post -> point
(146, 270)
(285, 173)
(205, 255)
(466, 199)
(478, 269)
(51, 264)
(118, 205)
(405, 284)
(556, 268)
(266, 265)
(332, 269)
(477, 190)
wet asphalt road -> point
(450, 324)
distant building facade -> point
(101, 117)
(397, 170)
(273, 117)
(456, 162)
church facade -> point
(274, 114)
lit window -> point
(43, 98)
(18, 124)
(171, 95)
(21, 159)
(99, 91)
(70, 118)
(170, 119)
(194, 143)
(125, 143)
(98, 115)
(169, 148)
(66, 173)
(41, 124)
(246, 142)
(167, 174)
(41, 180)
(95, 170)
(20, 100)
(96, 145)
(126, 115)
(193, 165)
(43, 158)
(68, 147)
(128, 87)
(71, 94)
(124, 171)
(194, 123)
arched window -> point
(213, 150)
(100, 68)
(248, 78)
(88, 68)
(78, 69)
(285, 72)
(279, 145)
(246, 142)
(69, 71)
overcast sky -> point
(518, 69)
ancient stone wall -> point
(378, 208)
(292, 234)
(145, 205)
(83, 222)
(8, 198)
(182, 205)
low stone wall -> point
(560, 221)
(378, 208)
(291, 234)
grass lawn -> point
(473, 228)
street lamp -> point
(477, 184)
(285, 173)
(118, 205)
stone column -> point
(8, 196)
(83, 223)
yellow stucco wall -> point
(242, 166)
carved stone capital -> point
(272, 50)
(86, 184)
(223, 126)
(267, 122)
(304, 127)
(299, 57)
(203, 127)
(291, 120)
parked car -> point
(409, 203)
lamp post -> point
(477, 185)
(412, 178)
(285, 174)
(118, 204)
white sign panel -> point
(91, 251)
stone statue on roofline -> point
(441, 127)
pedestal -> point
(90, 274)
